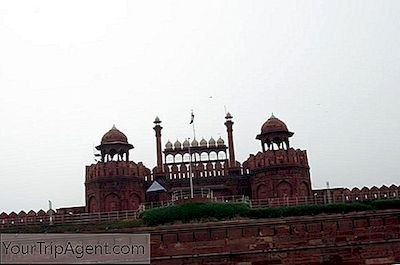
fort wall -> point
(353, 238)
(356, 238)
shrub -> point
(221, 211)
(193, 212)
(385, 204)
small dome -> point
(220, 141)
(177, 145)
(274, 124)
(186, 143)
(195, 143)
(212, 142)
(203, 142)
(168, 145)
(114, 136)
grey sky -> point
(69, 70)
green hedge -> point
(306, 210)
(385, 204)
(203, 211)
(193, 212)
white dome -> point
(220, 141)
(168, 145)
(186, 143)
(177, 145)
(203, 142)
(195, 143)
(211, 142)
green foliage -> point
(194, 212)
(222, 211)
(385, 204)
(307, 210)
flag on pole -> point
(192, 118)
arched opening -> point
(92, 204)
(213, 155)
(186, 157)
(284, 189)
(134, 202)
(178, 158)
(303, 189)
(222, 155)
(262, 192)
(169, 158)
(204, 156)
(112, 203)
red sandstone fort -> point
(278, 171)
(276, 175)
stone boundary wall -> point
(356, 238)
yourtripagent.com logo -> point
(75, 248)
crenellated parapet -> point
(116, 169)
(271, 158)
(357, 194)
(22, 217)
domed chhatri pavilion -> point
(115, 183)
(114, 142)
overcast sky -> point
(69, 70)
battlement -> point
(356, 194)
(116, 168)
(25, 218)
(271, 158)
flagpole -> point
(192, 122)
(190, 153)
(194, 131)
(190, 172)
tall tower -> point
(115, 183)
(279, 171)
(157, 128)
(233, 167)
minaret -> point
(229, 125)
(157, 128)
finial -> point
(272, 115)
(114, 127)
(157, 120)
(228, 116)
